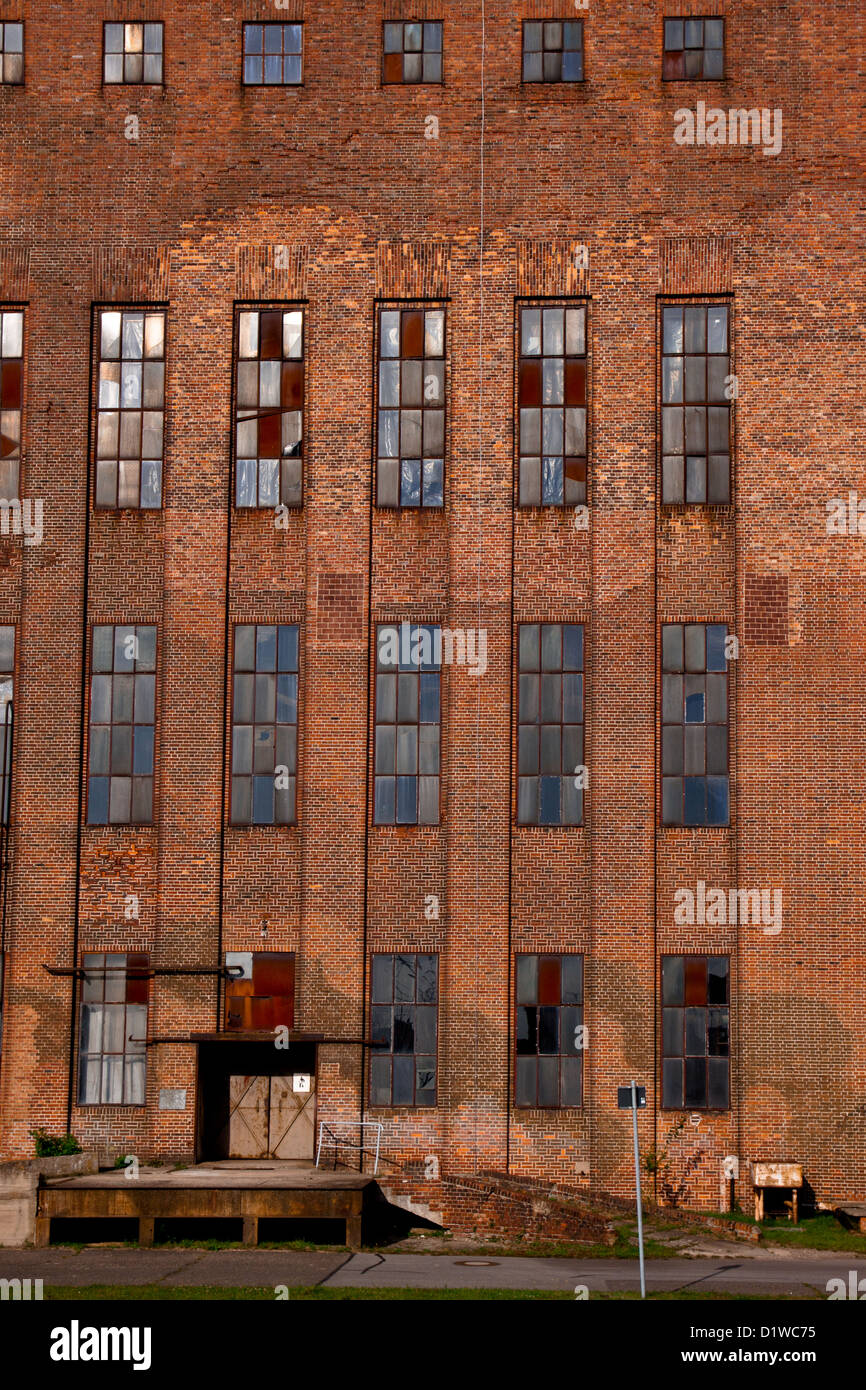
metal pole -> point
(637, 1189)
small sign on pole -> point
(633, 1098)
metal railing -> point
(329, 1140)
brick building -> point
(418, 400)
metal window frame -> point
(260, 306)
(703, 49)
(375, 1050)
(421, 305)
(721, 299)
(662, 1057)
(572, 301)
(251, 824)
(395, 824)
(546, 1109)
(120, 825)
(281, 24)
(540, 623)
(153, 85)
(552, 81)
(98, 308)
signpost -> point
(632, 1098)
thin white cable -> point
(480, 556)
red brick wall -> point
(340, 173)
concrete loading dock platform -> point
(249, 1191)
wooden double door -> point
(269, 1118)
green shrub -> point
(54, 1145)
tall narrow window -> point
(269, 407)
(272, 54)
(553, 50)
(133, 53)
(7, 672)
(694, 724)
(265, 724)
(11, 399)
(403, 1018)
(122, 721)
(130, 408)
(696, 412)
(12, 53)
(549, 1033)
(413, 52)
(551, 396)
(408, 664)
(411, 400)
(694, 48)
(550, 724)
(695, 1033)
(112, 1041)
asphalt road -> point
(776, 1274)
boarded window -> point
(262, 998)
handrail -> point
(337, 1140)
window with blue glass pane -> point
(550, 724)
(695, 404)
(404, 994)
(695, 788)
(272, 55)
(553, 50)
(410, 395)
(122, 722)
(265, 724)
(408, 721)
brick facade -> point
(331, 195)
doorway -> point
(272, 1116)
(256, 1101)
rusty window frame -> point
(551, 40)
(409, 685)
(695, 435)
(129, 53)
(686, 54)
(694, 688)
(692, 993)
(540, 736)
(409, 477)
(384, 1007)
(399, 62)
(11, 58)
(539, 983)
(106, 673)
(555, 478)
(115, 984)
(250, 56)
(12, 343)
(285, 691)
(285, 415)
(129, 407)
